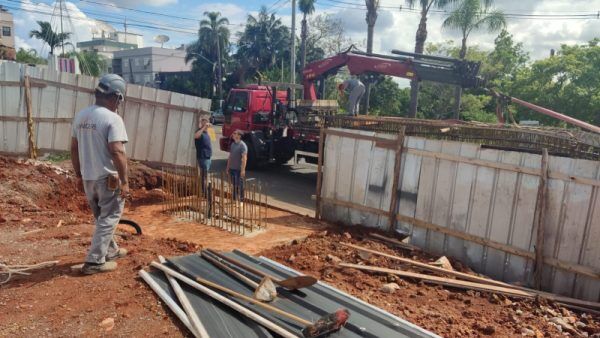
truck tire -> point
(252, 162)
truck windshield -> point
(238, 102)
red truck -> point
(275, 129)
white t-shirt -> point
(95, 127)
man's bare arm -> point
(75, 156)
(117, 152)
(243, 167)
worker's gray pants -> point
(354, 99)
(107, 207)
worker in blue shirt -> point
(203, 149)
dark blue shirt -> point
(203, 146)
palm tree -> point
(91, 63)
(49, 36)
(420, 39)
(371, 18)
(307, 7)
(212, 46)
(472, 15)
(264, 41)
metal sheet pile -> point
(237, 295)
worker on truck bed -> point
(100, 164)
(203, 149)
(356, 90)
(236, 164)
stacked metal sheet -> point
(310, 303)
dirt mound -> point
(447, 312)
(141, 176)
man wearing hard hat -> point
(100, 164)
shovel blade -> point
(299, 282)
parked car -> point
(217, 117)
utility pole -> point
(293, 56)
(219, 68)
(61, 25)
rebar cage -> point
(217, 199)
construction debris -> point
(287, 316)
(443, 263)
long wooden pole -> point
(540, 215)
(30, 130)
(228, 302)
(396, 179)
(320, 173)
(197, 327)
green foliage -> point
(473, 108)
(30, 57)
(58, 157)
(500, 66)
(387, 98)
(91, 63)
(50, 37)
(568, 82)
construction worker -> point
(203, 149)
(236, 164)
(100, 164)
(356, 90)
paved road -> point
(290, 184)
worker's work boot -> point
(91, 268)
(116, 255)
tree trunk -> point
(303, 36)
(219, 68)
(420, 39)
(371, 19)
(458, 90)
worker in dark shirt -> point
(203, 149)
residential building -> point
(141, 65)
(108, 42)
(7, 35)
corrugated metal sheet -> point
(156, 133)
(492, 203)
(310, 303)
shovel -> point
(292, 283)
(264, 291)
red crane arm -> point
(357, 65)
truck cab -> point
(253, 111)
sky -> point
(395, 28)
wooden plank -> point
(519, 269)
(496, 165)
(501, 214)
(379, 141)
(571, 267)
(467, 285)
(571, 237)
(396, 179)
(320, 173)
(360, 180)
(32, 152)
(360, 207)
(540, 214)
(428, 267)
(393, 242)
(410, 183)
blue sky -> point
(395, 27)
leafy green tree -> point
(388, 98)
(501, 66)
(50, 37)
(420, 39)
(567, 82)
(472, 15)
(262, 44)
(208, 53)
(307, 7)
(30, 57)
(91, 63)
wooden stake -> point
(540, 215)
(30, 129)
(320, 173)
(396, 179)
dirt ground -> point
(43, 217)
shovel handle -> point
(242, 265)
(241, 296)
(220, 265)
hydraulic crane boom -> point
(406, 65)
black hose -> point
(138, 229)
